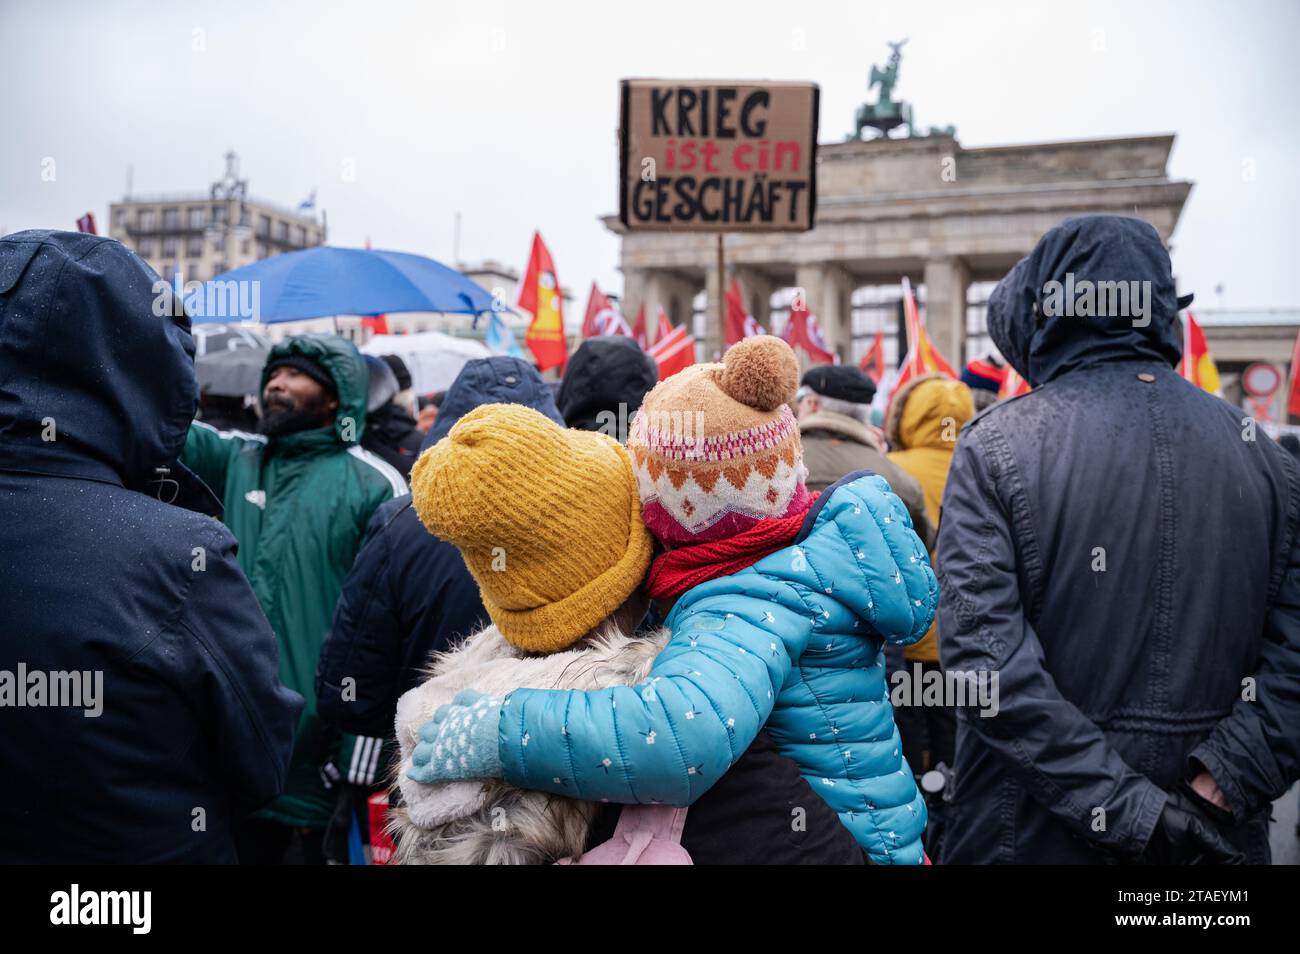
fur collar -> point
(492, 822)
(841, 425)
(894, 421)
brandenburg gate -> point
(922, 206)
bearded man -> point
(298, 498)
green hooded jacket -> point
(298, 505)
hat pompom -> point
(761, 372)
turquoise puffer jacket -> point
(794, 642)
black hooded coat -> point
(108, 578)
(1120, 548)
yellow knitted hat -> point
(548, 521)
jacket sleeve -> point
(1254, 752)
(362, 760)
(236, 683)
(669, 738)
(1062, 757)
(364, 644)
(208, 453)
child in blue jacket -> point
(782, 608)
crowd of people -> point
(615, 618)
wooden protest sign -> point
(716, 156)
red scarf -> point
(677, 571)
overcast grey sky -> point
(507, 111)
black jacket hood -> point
(603, 373)
(96, 368)
(1042, 340)
(499, 379)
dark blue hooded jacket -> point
(1120, 548)
(409, 593)
(101, 577)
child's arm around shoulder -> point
(669, 738)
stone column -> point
(634, 292)
(757, 288)
(828, 288)
(657, 295)
(714, 309)
(837, 316)
(657, 289)
(945, 307)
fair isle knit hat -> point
(716, 447)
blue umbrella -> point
(324, 281)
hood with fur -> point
(493, 822)
(928, 411)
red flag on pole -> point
(803, 331)
(638, 327)
(873, 362)
(1196, 365)
(922, 356)
(597, 303)
(739, 323)
(673, 350)
(665, 327)
(602, 317)
(87, 224)
(540, 295)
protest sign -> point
(718, 156)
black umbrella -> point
(233, 373)
(213, 338)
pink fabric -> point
(677, 571)
(663, 526)
(645, 835)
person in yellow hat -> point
(762, 581)
(925, 417)
(549, 523)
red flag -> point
(1013, 385)
(638, 326)
(1196, 365)
(1293, 398)
(803, 331)
(673, 350)
(87, 224)
(596, 304)
(540, 295)
(665, 326)
(739, 323)
(616, 325)
(986, 367)
(922, 356)
(873, 362)
(602, 317)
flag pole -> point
(722, 295)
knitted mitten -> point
(460, 741)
